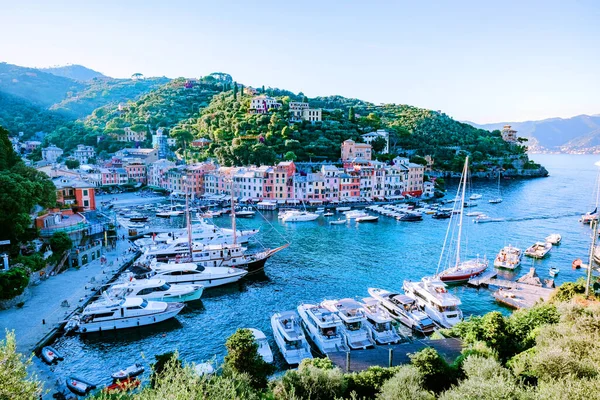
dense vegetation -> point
(75, 72)
(551, 351)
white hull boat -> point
(475, 196)
(155, 289)
(338, 222)
(367, 218)
(433, 297)
(463, 271)
(380, 323)
(509, 258)
(264, 350)
(299, 216)
(538, 250)
(323, 327)
(354, 322)
(289, 337)
(196, 274)
(404, 309)
(554, 239)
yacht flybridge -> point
(431, 294)
(323, 327)
(354, 322)
(196, 274)
(379, 322)
(289, 337)
(155, 289)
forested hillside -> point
(76, 72)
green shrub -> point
(406, 384)
(15, 381)
(13, 282)
(34, 262)
(310, 382)
(243, 358)
(366, 384)
(568, 290)
(437, 374)
(60, 242)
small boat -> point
(474, 213)
(354, 214)
(338, 222)
(204, 369)
(289, 337)
(410, 217)
(554, 271)
(79, 386)
(497, 200)
(138, 218)
(50, 355)
(475, 196)
(264, 350)
(320, 210)
(482, 219)
(342, 209)
(469, 204)
(328, 214)
(404, 309)
(245, 212)
(129, 372)
(442, 215)
(354, 322)
(509, 257)
(367, 218)
(554, 238)
(299, 216)
(538, 250)
(122, 385)
(590, 216)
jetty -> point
(393, 355)
(523, 293)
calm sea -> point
(326, 261)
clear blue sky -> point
(475, 60)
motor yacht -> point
(109, 314)
(433, 297)
(354, 214)
(538, 250)
(354, 322)
(379, 322)
(367, 218)
(264, 350)
(323, 327)
(289, 337)
(195, 274)
(155, 289)
(475, 196)
(509, 257)
(299, 216)
(245, 212)
(410, 216)
(404, 309)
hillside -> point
(75, 72)
(103, 91)
(576, 134)
(41, 88)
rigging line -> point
(273, 227)
(452, 217)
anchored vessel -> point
(379, 322)
(354, 322)
(323, 327)
(438, 303)
(289, 337)
(509, 257)
(404, 309)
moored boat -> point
(50, 355)
(122, 385)
(323, 327)
(196, 274)
(367, 218)
(338, 222)
(129, 372)
(79, 386)
(463, 271)
(354, 322)
(299, 216)
(379, 322)
(509, 257)
(264, 350)
(156, 289)
(554, 271)
(433, 297)
(554, 238)
(404, 309)
(289, 337)
(538, 250)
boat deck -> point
(393, 355)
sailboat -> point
(498, 199)
(460, 270)
(590, 216)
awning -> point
(293, 201)
(280, 201)
(315, 201)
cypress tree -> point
(235, 90)
(351, 114)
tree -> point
(12, 283)
(15, 382)
(304, 99)
(407, 384)
(60, 242)
(290, 156)
(242, 357)
(378, 144)
(72, 164)
(436, 372)
(35, 155)
(351, 115)
(235, 90)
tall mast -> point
(462, 205)
(233, 227)
(188, 219)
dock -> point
(393, 355)
(482, 279)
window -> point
(85, 192)
(86, 203)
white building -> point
(262, 104)
(380, 133)
(51, 153)
(509, 134)
(83, 153)
(302, 112)
(129, 135)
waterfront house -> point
(136, 172)
(75, 192)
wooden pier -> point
(482, 279)
(393, 355)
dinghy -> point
(122, 385)
(79, 386)
(129, 372)
(50, 355)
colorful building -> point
(75, 192)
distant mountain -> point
(41, 88)
(75, 72)
(577, 134)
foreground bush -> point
(14, 380)
(13, 282)
(311, 381)
(406, 384)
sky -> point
(501, 61)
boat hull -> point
(130, 322)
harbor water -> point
(327, 262)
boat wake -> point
(535, 217)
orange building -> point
(75, 192)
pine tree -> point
(263, 89)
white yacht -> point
(538, 250)
(379, 322)
(323, 327)
(354, 322)
(245, 212)
(130, 312)
(207, 233)
(509, 257)
(196, 274)
(289, 337)
(404, 309)
(299, 216)
(475, 196)
(354, 214)
(367, 218)
(264, 350)
(438, 303)
(155, 289)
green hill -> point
(75, 72)
(41, 88)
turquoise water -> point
(342, 261)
